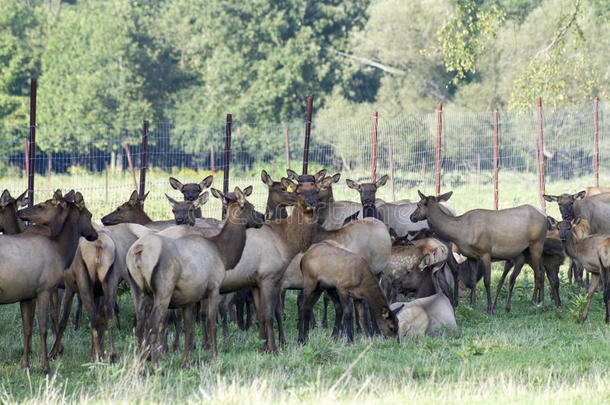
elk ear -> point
(175, 183)
(444, 197)
(203, 198)
(421, 195)
(21, 201)
(325, 183)
(266, 179)
(69, 197)
(386, 313)
(241, 198)
(320, 175)
(552, 222)
(550, 198)
(396, 310)
(381, 181)
(133, 199)
(336, 177)
(352, 184)
(141, 200)
(172, 202)
(292, 175)
(207, 182)
(248, 191)
(5, 198)
(290, 186)
(217, 193)
(580, 195)
(79, 200)
(576, 221)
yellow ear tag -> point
(291, 189)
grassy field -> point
(528, 355)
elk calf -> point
(425, 315)
(191, 191)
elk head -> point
(389, 321)
(279, 197)
(191, 191)
(579, 227)
(131, 211)
(421, 212)
(306, 193)
(184, 211)
(240, 210)
(367, 190)
(56, 211)
(10, 223)
(566, 203)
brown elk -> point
(592, 251)
(553, 256)
(486, 235)
(193, 268)
(33, 263)
(327, 265)
(367, 195)
(277, 199)
(10, 223)
(185, 212)
(426, 315)
(191, 191)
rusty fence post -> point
(32, 146)
(143, 158)
(26, 158)
(227, 165)
(212, 157)
(596, 140)
(391, 168)
(439, 132)
(129, 161)
(307, 133)
(541, 190)
(374, 149)
(495, 159)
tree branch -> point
(370, 62)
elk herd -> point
(366, 258)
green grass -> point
(524, 356)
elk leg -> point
(55, 308)
(109, 301)
(158, 321)
(43, 305)
(311, 294)
(258, 305)
(486, 261)
(249, 308)
(205, 330)
(356, 318)
(592, 289)
(117, 312)
(239, 312)
(507, 266)
(473, 291)
(325, 311)
(223, 311)
(359, 306)
(187, 316)
(269, 295)
(512, 280)
(338, 327)
(279, 317)
(67, 305)
(79, 312)
(348, 322)
(536, 264)
(212, 307)
(27, 320)
(604, 276)
(552, 274)
(85, 291)
(142, 310)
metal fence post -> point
(495, 159)
(287, 151)
(541, 190)
(212, 157)
(439, 131)
(596, 140)
(374, 149)
(307, 133)
(227, 165)
(130, 163)
(391, 168)
(32, 148)
(143, 158)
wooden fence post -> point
(32, 147)
(374, 149)
(307, 133)
(495, 159)
(143, 158)
(227, 165)
(541, 190)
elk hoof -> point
(112, 358)
(46, 370)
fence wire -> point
(94, 159)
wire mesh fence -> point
(95, 159)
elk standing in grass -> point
(32, 264)
(486, 235)
(327, 265)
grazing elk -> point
(191, 191)
(33, 263)
(132, 212)
(592, 251)
(327, 265)
(10, 223)
(179, 272)
(487, 234)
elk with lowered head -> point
(487, 234)
(328, 265)
(33, 263)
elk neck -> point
(67, 239)
(231, 240)
(297, 230)
(447, 227)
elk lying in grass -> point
(132, 212)
(191, 191)
(33, 263)
(10, 223)
(178, 273)
(553, 256)
(327, 265)
(592, 251)
(428, 315)
(486, 235)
